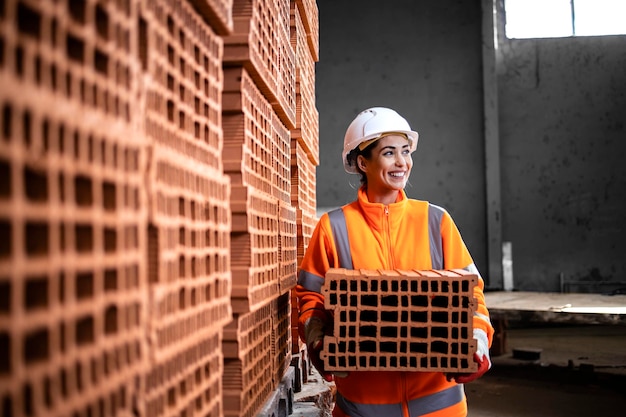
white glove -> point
(483, 345)
(481, 357)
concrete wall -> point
(563, 147)
(424, 60)
(562, 110)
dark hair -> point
(366, 153)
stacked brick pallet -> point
(261, 119)
(73, 214)
(305, 138)
(157, 168)
(189, 219)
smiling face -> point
(388, 168)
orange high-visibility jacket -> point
(408, 234)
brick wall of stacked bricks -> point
(157, 190)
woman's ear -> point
(361, 162)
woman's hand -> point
(481, 357)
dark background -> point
(549, 113)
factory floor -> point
(548, 371)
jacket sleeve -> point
(457, 256)
(319, 257)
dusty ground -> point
(601, 346)
(506, 396)
(581, 372)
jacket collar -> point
(377, 214)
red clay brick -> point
(296, 344)
(218, 13)
(307, 116)
(400, 320)
(282, 161)
(184, 82)
(186, 381)
(250, 135)
(310, 18)
(281, 336)
(303, 172)
(287, 247)
(260, 42)
(254, 243)
(248, 377)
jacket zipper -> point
(392, 261)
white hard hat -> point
(372, 124)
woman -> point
(383, 229)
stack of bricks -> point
(400, 320)
(262, 122)
(189, 221)
(73, 213)
(305, 137)
(157, 191)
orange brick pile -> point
(157, 190)
(400, 320)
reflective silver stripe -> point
(471, 268)
(437, 401)
(417, 407)
(435, 213)
(310, 281)
(340, 234)
(482, 316)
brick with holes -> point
(404, 320)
